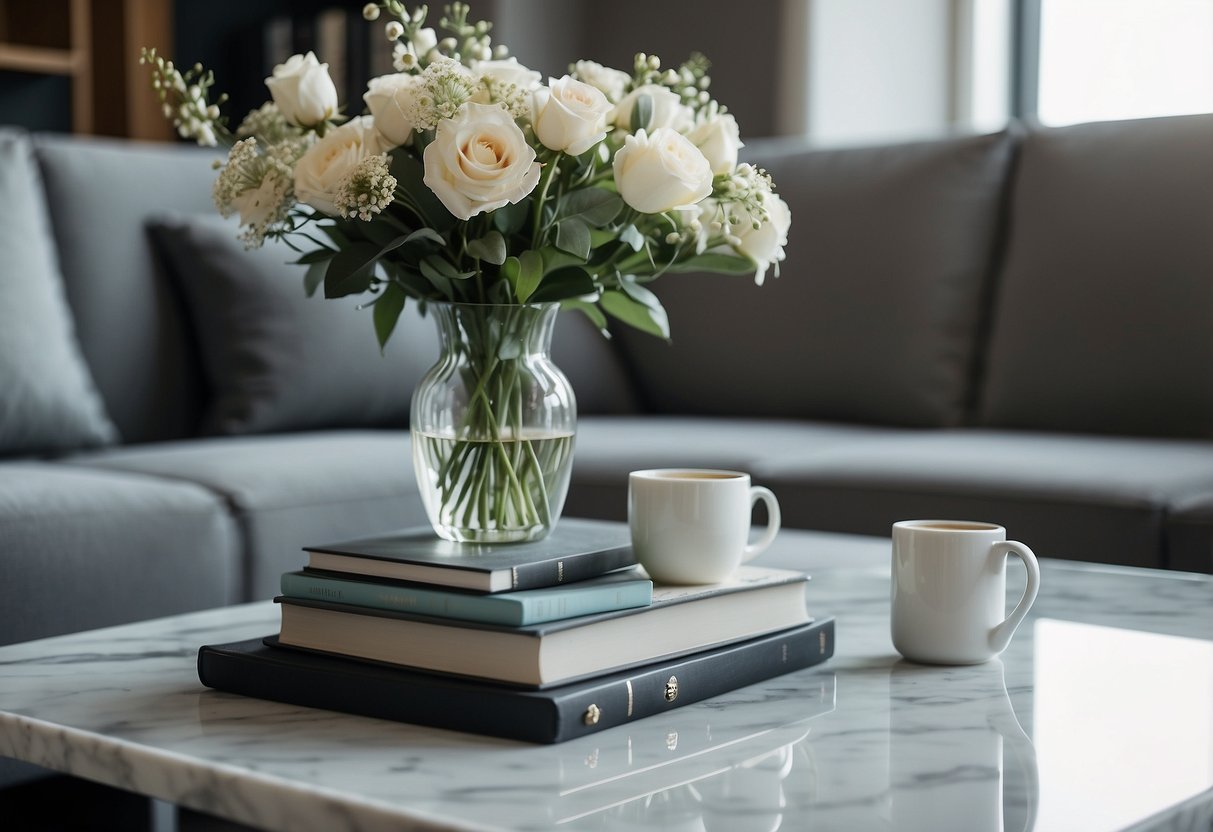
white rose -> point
(570, 115)
(668, 109)
(508, 71)
(388, 97)
(479, 160)
(612, 82)
(662, 170)
(321, 167)
(303, 91)
(765, 244)
(719, 139)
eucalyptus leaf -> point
(489, 248)
(554, 258)
(590, 311)
(645, 318)
(714, 262)
(530, 274)
(439, 280)
(594, 206)
(509, 219)
(442, 266)
(387, 312)
(642, 113)
(573, 237)
(562, 284)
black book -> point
(576, 549)
(261, 668)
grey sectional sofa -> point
(1015, 327)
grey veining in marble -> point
(1099, 716)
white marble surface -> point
(1098, 717)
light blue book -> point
(621, 590)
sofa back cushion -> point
(1103, 317)
(130, 322)
(48, 401)
(875, 315)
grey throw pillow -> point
(48, 402)
(277, 360)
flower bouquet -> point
(482, 194)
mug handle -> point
(774, 519)
(1000, 636)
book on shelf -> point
(575, 550)
(263, 669)
(680, 620)
(624, 589)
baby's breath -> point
(747, 187)
(446, 86)
(184, 98)
(259, 187)
(367, 189)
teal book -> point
(621, 590)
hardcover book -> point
(680, 620)
(575, 550)
(262, 669)
(614, 591)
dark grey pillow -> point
(878, 309)
(277, 360)
(48, 402)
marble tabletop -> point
(1098, 717)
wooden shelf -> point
(42, 59)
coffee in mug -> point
(692, 525)
(949, 587)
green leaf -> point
(439, 264)
(564, 283)
(387, 311)
(631, 236)
(425, 234)
(410, 175)
(529, 274)
(573, 237)
(711, 262)
(314, 277)
(554, 258)
(645, 318)
(593, 206)
(590, 311)
(638, 293)
(320, 255)
(349, 272)
(489, 248)
(410, 279)
(509, 219)
(642, 113)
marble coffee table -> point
(1098, 717)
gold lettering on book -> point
(629, 684)
(592, 715)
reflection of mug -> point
(949, 590)
(690, 526)
(946, 752)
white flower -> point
(367, 189)
(320, 170)
(661, 170)
(479, 160)
(570, 115)
(303, 91)
(446, 86)
(390, 98)
(765, 244)
(612, 82)
(257, 186)
(508, 71)
(668, 109)
(718, 139)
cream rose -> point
(320, 169)
(765, 244)
(660, 171)
(718, 139)
(388, 97)
(508, 71)
(479, 160)
(612, 82)
(303, 91)
(570, 115)
(668, 109)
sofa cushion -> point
(49, 401)
(608, 448)
(1189, 532)
(1078, 497)
(290, 490)
(130, 322)
(84, 548)
(276, 359)
(1104, 307)
(876, 313)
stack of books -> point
(541, 641)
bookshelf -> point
(95, 45)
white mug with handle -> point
(949, 588)
(691, 525)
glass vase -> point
(493, 424)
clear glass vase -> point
(493, 424)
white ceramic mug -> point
(691, 525)
(949, 588)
